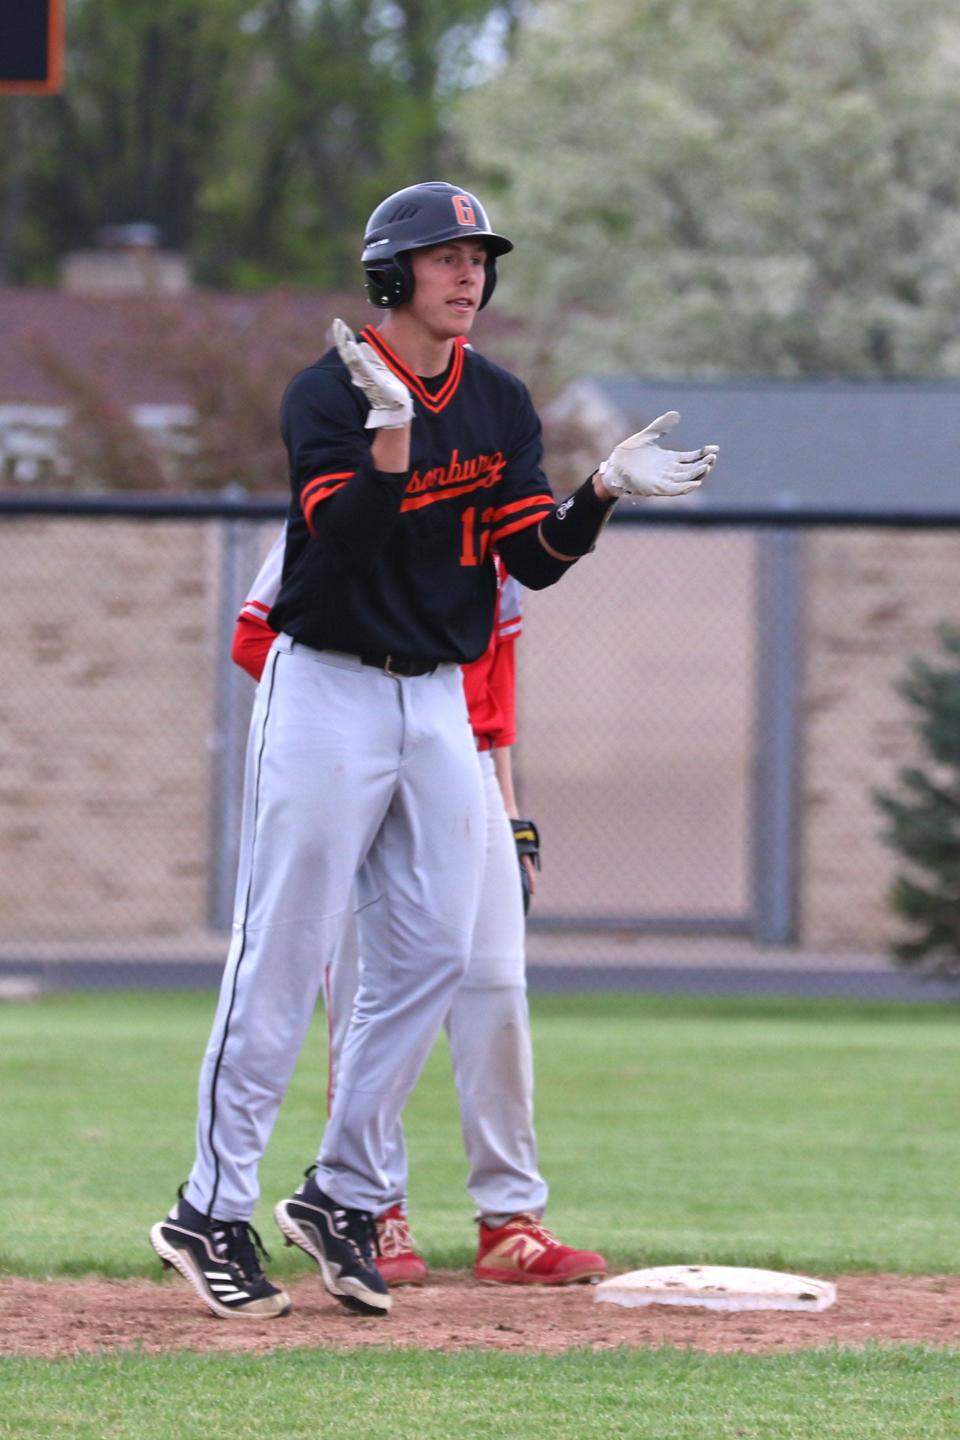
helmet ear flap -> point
(389, 282)
(490, 280)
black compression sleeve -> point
(359, 520)
(573, 528)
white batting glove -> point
(639, 467)
(391, 403)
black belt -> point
(394, 665)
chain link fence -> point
(706, 706)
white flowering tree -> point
(766, 186)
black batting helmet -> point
(421, 215)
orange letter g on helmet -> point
(463, 209)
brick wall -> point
(106, 707)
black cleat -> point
(219, 1259)
(342, 1242)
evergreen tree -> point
(924, 816)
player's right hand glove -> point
(639, 467)
(526, 837)
(391, 403)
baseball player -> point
(488, 1025)
(412, 458)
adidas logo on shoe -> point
(220, 1260)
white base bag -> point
(717, 1287)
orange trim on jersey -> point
(417, 502)
(319, 489)
(541, 505)
(432, 402)
(316, 502)
(319, 481)
(523, 524)
(525, 504)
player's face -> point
(448, 286)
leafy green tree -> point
(764, 186)
(346, 104)
(255, 136)
(135, 133)
(924, 816)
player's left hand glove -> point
(639, 467)
(526, 837)
(391, 403)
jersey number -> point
(472, 553)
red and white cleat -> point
(525, 1252)
(398, 1261)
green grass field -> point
(813, 1136)
(900, 1393)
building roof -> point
(819, 444)
(165, 359)
(86, 329)
(82, 329)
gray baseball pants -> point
(348, 769)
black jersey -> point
(402, 565)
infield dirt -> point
(454, 1312)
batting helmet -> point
(421, 215)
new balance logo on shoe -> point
(523, 1251)
(220, 1260)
